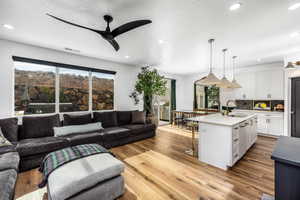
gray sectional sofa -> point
(35, 138)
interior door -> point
(295, 108)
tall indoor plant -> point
(149, 84)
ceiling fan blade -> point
(129, 26)
(114, 44)
(70, 23)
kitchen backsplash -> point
(271, 105)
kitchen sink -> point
(240, 115)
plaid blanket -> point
(58, 158)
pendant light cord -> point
(211, 54)
(224, 61)
(233, 65)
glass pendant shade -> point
(290, 65)
(234, 83)
(210, 79)
(224, 83)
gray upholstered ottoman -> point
(97, 177)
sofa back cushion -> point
(108, 119)
(77, 119)
(124, 117)
(9, 129)
(37, 127)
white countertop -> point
(220, 119)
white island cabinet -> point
(223, 140)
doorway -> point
(165, 105)
(295, 107)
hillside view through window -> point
(35, 89)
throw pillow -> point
(69, 130)
(37, 127)
(77, 119)
(124, 117)
(108, 119)
(3, 140)
(138, 117)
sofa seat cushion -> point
(139, 128)
(8, 180)
(9, 161)
(108, 119)
(84, 138)
(115, 133)
(38, 127)
(7, 149)
(33, 146)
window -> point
(73, 90)
(38, 90)
(34, 89)
(206, 97)
(103, 91)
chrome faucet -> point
(227, 104)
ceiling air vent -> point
(72, 50)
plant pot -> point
(153, 119)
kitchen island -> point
(223, 140)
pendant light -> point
(235, 84)
(210, 79)
(292, 65)
(224, 83)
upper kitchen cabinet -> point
(261, 84)
(247, 81)
(277, 87)
(269, 84)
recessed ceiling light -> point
(294, 6)
(258, 59)
(235, 6)
(8, 26)
(161, 41)
(295, 34)
(127, 57)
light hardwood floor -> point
(157, 169)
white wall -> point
(287, 104)
(124, 82)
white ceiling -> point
(259, 30)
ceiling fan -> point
(108, 34)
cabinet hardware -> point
(236, 155)
(236, 128)
(235, 140)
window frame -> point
(57, 67)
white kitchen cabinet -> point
(267, 123)
(277, 84)
(224, 140)
(275, 125)
(247, 81)
(262, 125)
(261, 85)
